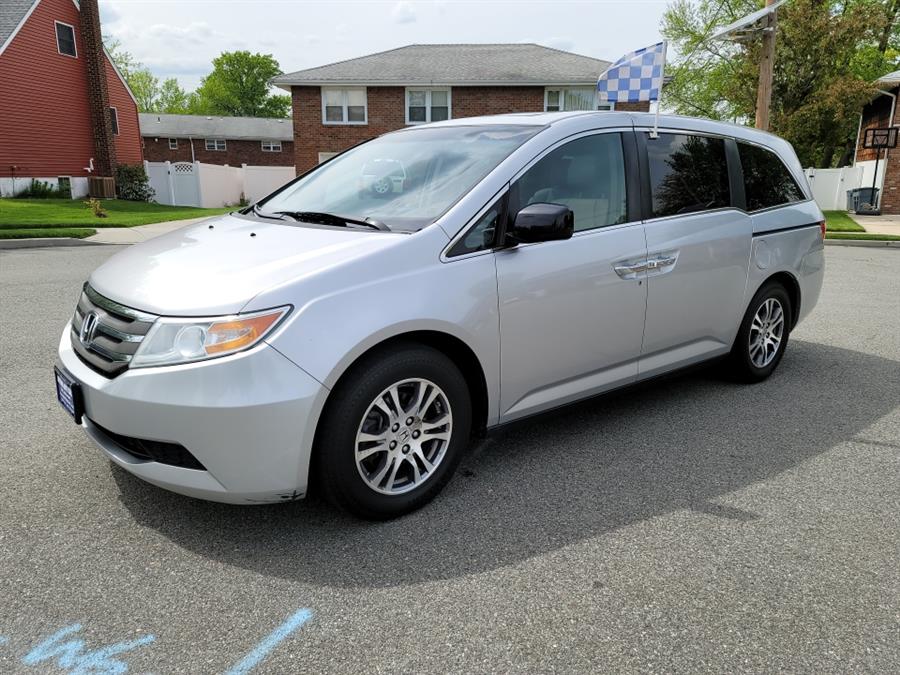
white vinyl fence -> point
(211, 185)
(829, 186)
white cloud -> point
(109, 14)
(403, 12)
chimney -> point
(98, 94)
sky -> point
(179, 38)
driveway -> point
(688, 525)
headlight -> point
(174, 340)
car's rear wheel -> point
(393, 432)
(763, 335)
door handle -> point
(629, 271)
(661, 262)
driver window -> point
(587, 175)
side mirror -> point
(542, 222)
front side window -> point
(427, 105)
(114, 121)
(215, 144)
(65, 39)
(483, 233)
(767, 181)
(688, 173)
(587, 175)
(344, 106)
(572, 98)
(405, 179)
(271, 146)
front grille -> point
(154, 451)
(114, 334)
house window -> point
(65, 39)
(573, 98)
(271, 146)
(344, 106)
(325, 156)
(215, 144)
(173, 144)
(114, 121)
(427, 105)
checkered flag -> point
(637, 76)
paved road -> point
(695, 525)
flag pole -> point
(662, 77)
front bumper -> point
(248, 418)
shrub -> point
(39, 190)
(96, 207)
(133, 184)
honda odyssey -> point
(349, 337)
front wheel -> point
(394, 432)
(763, 335)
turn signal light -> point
(232, 335)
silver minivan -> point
(353, 340)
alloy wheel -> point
(403, 437)
(766, 332)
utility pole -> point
(766, 71)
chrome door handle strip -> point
(629, 271)
(665, 261)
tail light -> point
(822, 227)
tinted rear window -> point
(687, 174)
(767, 181)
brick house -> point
(255, 141)
(880, 113)
(341, 104)
(65, 111)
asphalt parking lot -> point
(692, 525)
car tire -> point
(763, 334)
(358, 474)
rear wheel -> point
(394, 432)
(763, 335)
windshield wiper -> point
(263, 214)
(320, 218)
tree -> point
(828, 52)
(173, 99)
(239, 85)
(145, 87)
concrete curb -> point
(48, 242)
(865, 243)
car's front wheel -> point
(393, 432)
(763, 335)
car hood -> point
(219, 265)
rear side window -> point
(687, 174)
(767, 181)
(587, 175)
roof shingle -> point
(203, 126)
(459, 64)
(11, 13)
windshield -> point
(405, 180)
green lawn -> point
(43, 232)
(865, 235)
(49, 213)
(839, 221)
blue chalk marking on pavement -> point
(70, 655)
(261, 651)
(3, 640)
